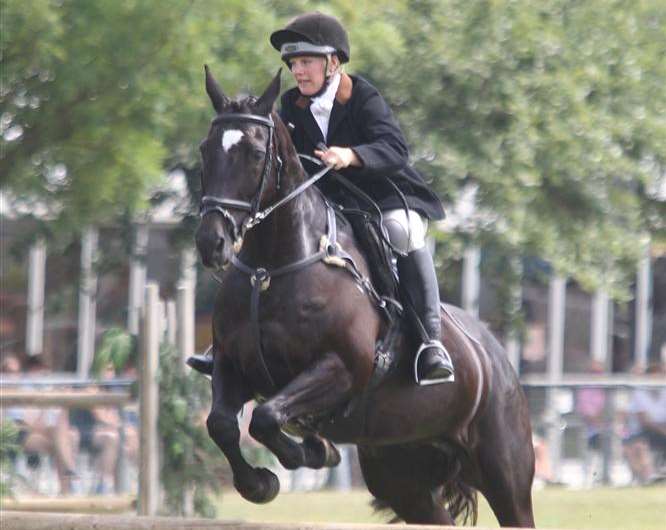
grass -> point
(602, 508)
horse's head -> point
(238, 159)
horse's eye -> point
(258, 154)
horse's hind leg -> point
(255, 484)
(506, 463)
(404, 481)
(319, 389)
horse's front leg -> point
(229, 395)
(321, 388)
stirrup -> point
(425, 346)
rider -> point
(344, 121)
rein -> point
(330, 252)
(211, 203)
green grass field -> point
(603, 508)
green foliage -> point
(554, 112)
(116, 349)
(544, 108)
(188, 453)
(8, 447)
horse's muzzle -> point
(210, 240)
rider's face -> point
(309, 73)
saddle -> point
(365, 218)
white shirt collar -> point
(322, 106)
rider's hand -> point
(338, 157)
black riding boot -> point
(432, 363)
(202, 362)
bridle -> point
(210, 203)
(330, 251)
(222, 205)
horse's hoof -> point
(266, 487)
(320, 453)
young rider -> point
(364, 143)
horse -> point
(295, 331)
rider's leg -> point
(417, 275)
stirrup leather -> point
(426, 345)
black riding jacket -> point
(362, 120)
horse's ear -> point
(264, 104)
(217, 97)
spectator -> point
(646, 429)
(100, 435)
(543, 471)
(590, 405)
(10, 367)
(46, 431)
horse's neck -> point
(289, 234)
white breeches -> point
(406, 234)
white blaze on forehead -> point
(231, 138)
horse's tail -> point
(461, 501)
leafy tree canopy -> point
(550, 116)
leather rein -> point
(330, 252)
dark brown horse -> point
(293, 329)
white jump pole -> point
(34, 339)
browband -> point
(237, 116)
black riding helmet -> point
(312, 34)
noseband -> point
(222, 205)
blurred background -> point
(542, 125)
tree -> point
(550, 115)
(553, 113)
(100, 99)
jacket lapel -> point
(339, 111)
(310, 126)
(337, 115)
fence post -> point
(643, 309)
(34, 339)
(186, 303)
(172, 323)
(471, 279)
(87, 301)
(556, 315)
(513, 346)
(149, 470)
(600, 326)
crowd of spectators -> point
(62, 436)
(644, 442)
